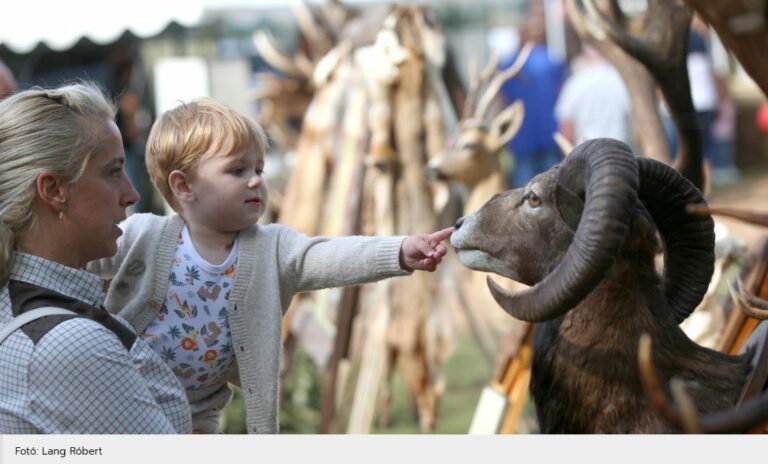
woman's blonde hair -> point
(44, 130)
(183, 136)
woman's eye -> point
(117, 172)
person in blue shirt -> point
(537, 85)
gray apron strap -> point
(29, 316)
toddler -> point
(207, 287)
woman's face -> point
(96, 203)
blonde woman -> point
(63, 191)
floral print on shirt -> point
(191, 331)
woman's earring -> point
(61, 215)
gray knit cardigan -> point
(273, 264)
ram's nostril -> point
(458, 224)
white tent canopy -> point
(60, 24)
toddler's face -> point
(229, 190)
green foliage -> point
(233, 416)
(466, 371)
(302, 394)
(299, 405)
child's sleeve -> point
(313, 263)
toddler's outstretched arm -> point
(424, 252)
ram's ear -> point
(506, 125)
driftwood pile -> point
(377, 114)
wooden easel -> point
(514, 383)
(508, 387)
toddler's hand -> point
(424, 252)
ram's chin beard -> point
(479, 261)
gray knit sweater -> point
(273, 264)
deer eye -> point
(533, 200)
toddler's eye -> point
(260, 172)
(237, 171)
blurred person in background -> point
(7, 81)
(703, 86)
(594, 102)
(126, 85)
(537, 85)
(724, 170)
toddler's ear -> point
(179, 184)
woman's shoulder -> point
(77, 340)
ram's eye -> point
(533, 200)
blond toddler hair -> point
(191, 132)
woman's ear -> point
(178, 181)
(52, 191)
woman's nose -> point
(130, 195)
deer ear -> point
(505, 125)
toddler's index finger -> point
(441, 235)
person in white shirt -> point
(594, 102)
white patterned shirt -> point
(79, 374)
(190, 331)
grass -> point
(466, 374)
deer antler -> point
(641, 87)
(751, 217)
(665, 25)
(651, 382)
(748, 303)
(318, 40)
(298, 66)
(742, 28)
(746, 417)
(662, 47)
(476, 81)
(499, 79)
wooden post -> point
(346, 195)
